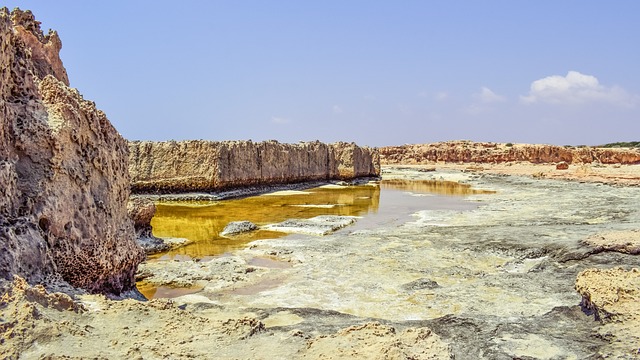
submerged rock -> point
(63, 169)
(238, 227)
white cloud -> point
(576, 88)
(279, 120)
(337, 109)
(487, 96)
(484, 101)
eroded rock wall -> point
(63, 169)
(467, 151)
(198, 165)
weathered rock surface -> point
(199, 165)
(624, 241)
(478, 152)
(614, 297)
(63, 169)
(376, 341)
(141, 211)
(238, 227)
(318, 225)
(38, 324)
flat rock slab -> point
(625, 241)
(319, 225)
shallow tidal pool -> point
(376, 204)
(491, 272)
(201, 222)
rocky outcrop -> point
(199, 165)
(141, 211)
(624, 241)
(613, 296)
(63, 169)
(478, 152)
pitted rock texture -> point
(478, 152)
(63, 169)
(199, 165)
(141, 211)
(238, 227)
(624, 241)
(613, 295)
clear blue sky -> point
(375, 72)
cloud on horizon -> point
(576, 88)
(487, 96)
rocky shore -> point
(209, 166)
(63, 169)
(506, 278)
(519, 267)
(495, 153)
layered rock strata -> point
(63, 170)
(199, 165)
(478, 152)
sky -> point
(375, 72)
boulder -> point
(613, 297)
(238, 227)
(141, 211)
(63, 169)
(562, 166)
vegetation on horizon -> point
(627, 144)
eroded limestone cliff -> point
(63, 170)
(199, 165)
(478, 152)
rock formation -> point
(63, 170)
(141, 211)
(199, 165)
(613, 295)
(478, 152)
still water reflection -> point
(440, 187)
(202, 222)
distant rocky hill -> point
(199, 165)
(486, 152)
(63, 171)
